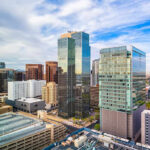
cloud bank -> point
(29, 29)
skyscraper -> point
(82, 71)
(19, 75)
(6, 75)
(95, 72)
(2, 65)
(34, 71)
(79, 43)
(51, 71)
(66, 76)
(122, 73)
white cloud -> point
(29, 29)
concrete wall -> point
(114, 122)
(30, 107)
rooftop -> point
(146, 112)
(95, 140)
(30, 100)
(14, 126)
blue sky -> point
(29, 29)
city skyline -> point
(36, 26)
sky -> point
(29, 29)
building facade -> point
(122, 74)
(34, 71)
(66, 77)
(29, 133)
(2, 65)
(49, 93)
(26, 89)
(95, 72)
(51, 71)
(82, 71)
(94, 97)
(30, 104)
(145, 127)
(19, 75)
(80, 44)
(6, 75)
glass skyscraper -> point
(82, 70)
(2, 65)
(66, 77)
(122, 74)
(74, 73)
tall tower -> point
(66, 76)
(34, 71)
(95, 72)
(122, 74)
(82, 71)
(51, 71)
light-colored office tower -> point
(49, 93)
(145, 127)
(122, 74)
(95, 72)
(26, 89)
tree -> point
(97, 127)
(97, 116)
(91, 118)
(148, 105)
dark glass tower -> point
(66, 77)
(82, 70)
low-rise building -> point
(5, 109)
(49, 93)
(30, 104)
(20, 132)
(27, 89)
(145, 127)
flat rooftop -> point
(30, 100)
(14, 126)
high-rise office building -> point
(95, 72)
(19, 75)
(122, 74)
(51, 71)
(2, 65)
(49, 93)
(34, 71)
(82, 71)
(145, 127)
(6, 75)
(94, 97)
(66, 76)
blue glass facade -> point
(2, 65)
(122, 82)
(122, 76)
(66, 77)
(82, 71)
